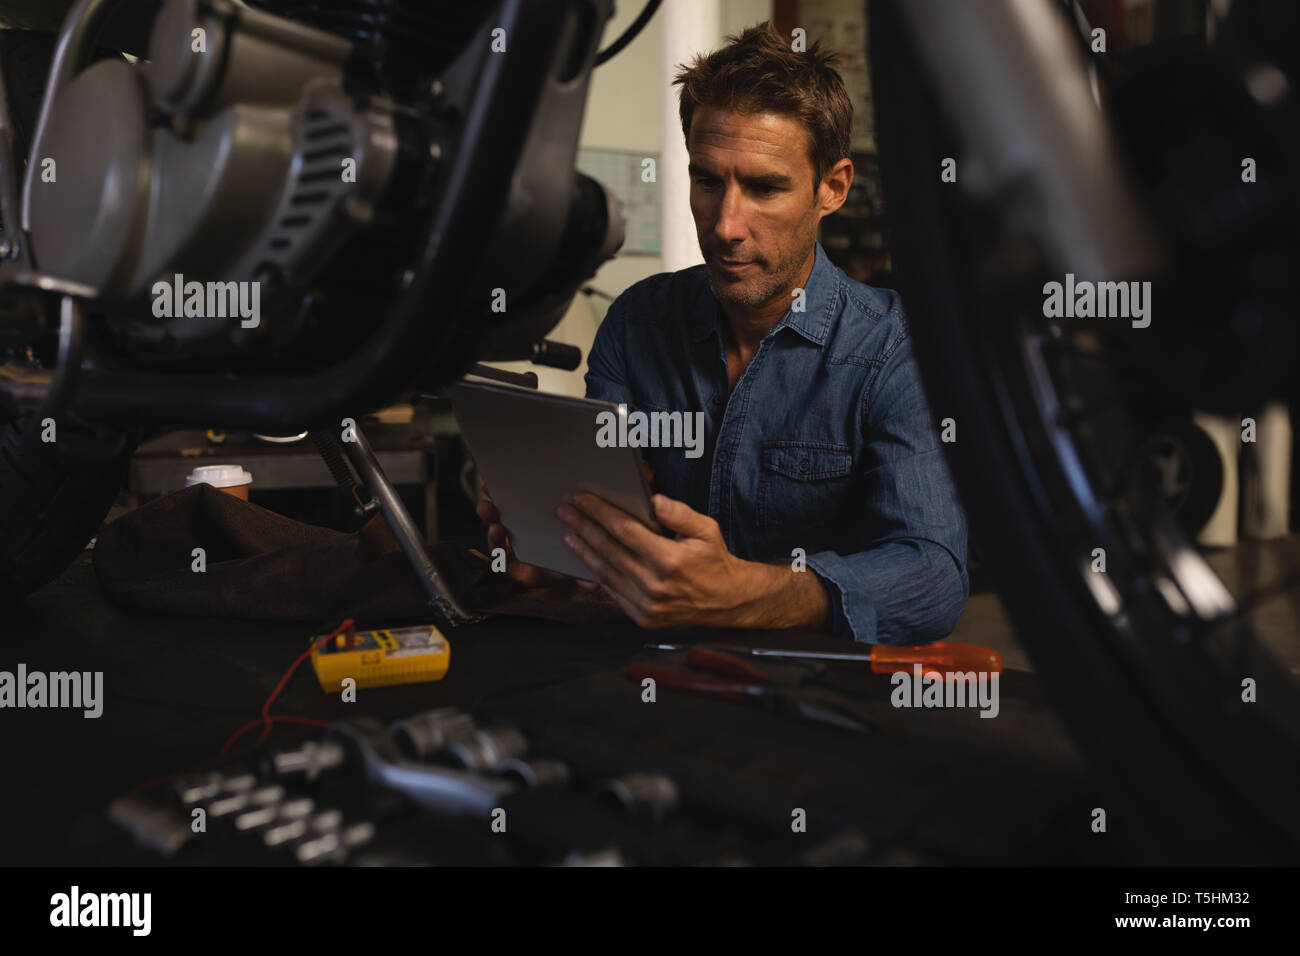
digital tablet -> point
(534, 450)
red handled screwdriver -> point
(883, 659)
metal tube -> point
(366, 465)
(69, 361)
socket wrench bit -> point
(438, 788)
(423, 735)
(238, 783)
(276, 812)
(228, 805)
(161, 829)
(285, 832)
(642, 794)
(198, 787)
(334, 846)
(311, 759)
(260, 817)
(271, 793)
(488, 749)
(535, 773)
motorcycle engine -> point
(234, 154)
(271, 160)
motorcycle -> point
(277, 214)
(1078, 162)
(271, 216)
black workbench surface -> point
(964, 789)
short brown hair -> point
(758, 72)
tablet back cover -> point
(534, 450)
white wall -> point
(626, 111)
(689, 28)
(738, 14)
(633, 106)
(623, 110)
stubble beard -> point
(760, 291)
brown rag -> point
(262, 565)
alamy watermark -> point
(1085, 300)
(75, 908)
(948, 689)
(623, 429)
(208, 300)
(76, 689)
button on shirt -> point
(825, 451)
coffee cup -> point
(232, 479)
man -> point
(822, 499)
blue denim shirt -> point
(826, 444)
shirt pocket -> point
(803, 484)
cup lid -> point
(219, 476)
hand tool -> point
(311, 758)
(777, 691)
(884, 659)
(487, 749)
(161, 829)
(535, 773)
(313, 833)
(423, 735)
(334, 842)
(269, 813)
(437, 788)
(651, 794)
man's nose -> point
(730, 226)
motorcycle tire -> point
(1148, 699)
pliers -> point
(774, 688)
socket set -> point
(438, 788)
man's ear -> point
(834, 188)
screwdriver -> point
(883, 659)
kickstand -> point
(384, 497)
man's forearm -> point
(779, 597)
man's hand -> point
(529, 575)
(692, 581)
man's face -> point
(752, 196)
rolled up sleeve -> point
(910, 584)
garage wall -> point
(625, 111)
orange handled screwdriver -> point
(885, 659)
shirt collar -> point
(812, 322)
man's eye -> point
(707, 181)
(763, 190)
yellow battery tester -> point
(400, 655)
